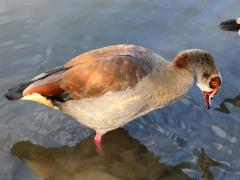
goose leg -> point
(98, 139)
(98, 143)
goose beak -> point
(209, 97)
(230, 25)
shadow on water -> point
(234, 101)
(124, 158)
(204, 163)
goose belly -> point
(108, 112)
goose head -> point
(231, 25)
(201, 64)
(209, 85)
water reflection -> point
(203, 165)
(234, 101)
(124, 158)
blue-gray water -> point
(38, 34)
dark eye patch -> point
(206, 75)
(215, 83)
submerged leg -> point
(98, 139)
(98, 143)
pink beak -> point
(208, 97)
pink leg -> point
(98, 143)
(98, 139)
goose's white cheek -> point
(204, 87)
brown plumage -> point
(102, 75)
(187, 58)
(95, 73)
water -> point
(181, 141)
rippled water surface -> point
(182, 141)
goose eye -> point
(215, 83)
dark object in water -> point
(230, 25)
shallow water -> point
(181, 141)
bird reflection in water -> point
(204, 163)
(124, 158)
(234, 101)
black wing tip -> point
(16, 92)
(8, 96)
(12, 94)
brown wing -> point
(95, 77)
(46, 83)
(109, 51)
(112, 68)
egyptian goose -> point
(108, 87)
(231, 25)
